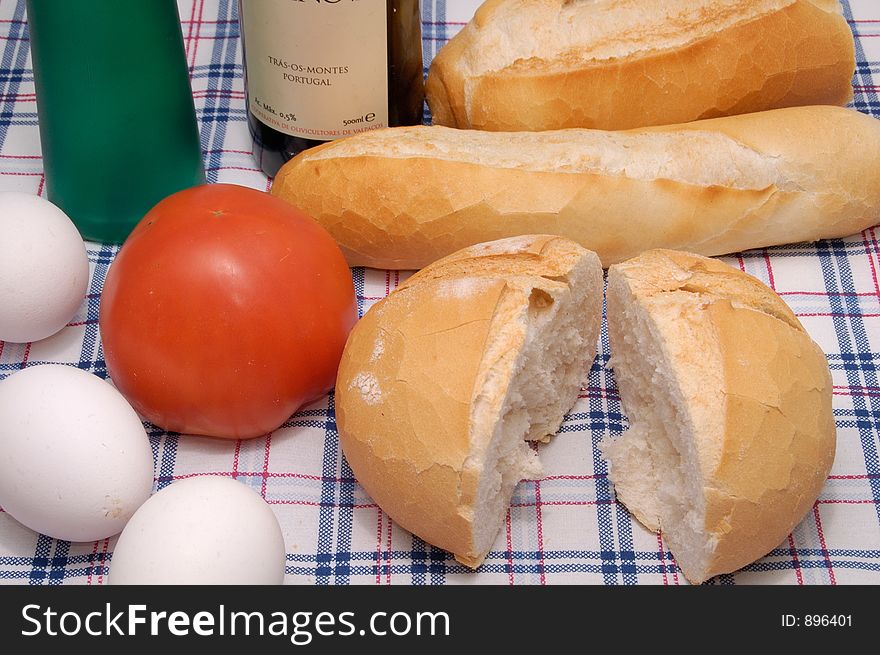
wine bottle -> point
(319, 70)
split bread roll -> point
(401, 198)
(620, 64)
(731, 431)
(443, 383)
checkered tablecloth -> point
(564, 528)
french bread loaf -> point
(401, 198)
(731, 432)
(603, 64)
(442, 383)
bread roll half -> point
(403, 197)
(442, 383)
(731, 431)
(620, 64)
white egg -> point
(202, 530)
(44, 269)
(75, 460)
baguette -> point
(554, 64)
(731, 431)
(442, 383)
(401, 198)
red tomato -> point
(225, 310)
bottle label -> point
(317, 69)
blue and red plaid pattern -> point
(564, 528)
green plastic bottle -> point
(117, 121)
